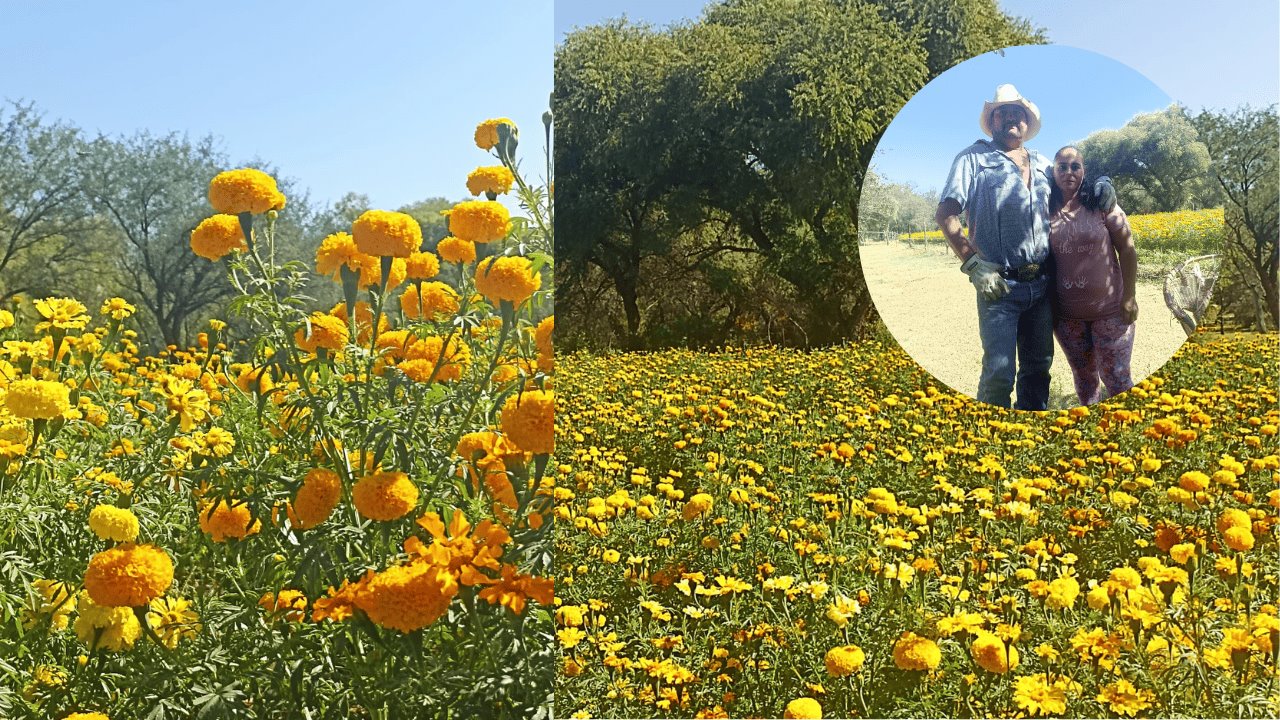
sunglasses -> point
(1074, 167)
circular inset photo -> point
(1038, 228)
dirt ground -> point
(931, 310)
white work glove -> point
(985, 276)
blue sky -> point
(379, 98)
(1129, 57)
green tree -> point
(764, 113)
(1157, 162)
(42, 212)
(1243, 147)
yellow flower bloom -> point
(479, 221)
(37, 399)
(991, 654)
(244, 191)
(316, 499)
(223, 521)
(422, 266)
(385, 496)
(496, 179)
(173, 619)
(487, 132)
(912, 652)
(697, 506)
(61, 314)
(117, 308)
(528, 419)
(112, 523)
(106, 627)
(327, 332)
(434, 301)
(508, 278)
(217, 236)
(844, 660)
(1238, 538)
(383, 232)
(408, 597)
(803, 708)
(456, 250)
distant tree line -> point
(709, 172)
(99, 217)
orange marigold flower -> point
(129, 575)
(514, 589)
(422, 266)
(429, 301)
(528, 418)
(1234, 517)
(288, 605)
(487, 132)
(223, 521)
(319, 495)
(327, 332)
(244, 191)
(991, 654)
(383, 232)
(217, 236)
(408, 597)
(698, 505)
(457, 250)
(385, 495)
(508, 278)
(479, 221)
(423, 356)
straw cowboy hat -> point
(1008, 95)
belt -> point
(1023, 273)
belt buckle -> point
(1028, 272)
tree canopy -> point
(1157, 162)
(726, 155)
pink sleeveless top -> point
(1090, 285)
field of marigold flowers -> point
(343, 518)
(775, 533)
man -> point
(1003, 187)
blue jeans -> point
(1019, 325)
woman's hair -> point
(1084, 193)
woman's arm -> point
(1122, 241)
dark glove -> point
(1105, 193)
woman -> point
(1096, 267)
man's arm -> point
(948, 219)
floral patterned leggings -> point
(1097, 349)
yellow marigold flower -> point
(508, 278)
(408, 597)
(1036, 695)
(1124, 699)
(1193, 481)
(912, 652)
(339, 249)
(456, 250)
(1098, 598)
(1125, 578)
(1234, 517)
(422, 357)
(807, 708)
(1238, 538)
(128, 575)
(422, 266)
(319, 495)
(61, 314)
(217, 236)
(1062, 593)
(698, 505)
(434, 301)
(991, 654)
(495, 179)
(117, 308)
(112, 523)
(385, 495)
(487, 132)
(1182, 553)
(528, 419)
(844, 660)
(6, 320)
(54, 603)
(479, 221)
(87, 716)
(173, 620)
(37, 399)
(289, 605)
(383, 232)
(106, 627)
(542, 335)
(327, 332)
(244, 191)
(223, 521)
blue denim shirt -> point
(1008, 223)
